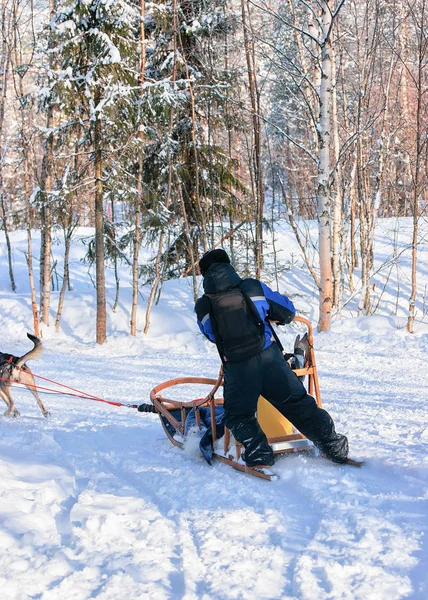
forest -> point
(182, 125)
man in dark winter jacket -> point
(232, 314)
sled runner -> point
(217, 442)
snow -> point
(96, 503)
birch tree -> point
(46, 181)
(6, 44)
(419, 162)
(24, 102)
(307, 30)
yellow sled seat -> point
(279, 430)
(273, 423)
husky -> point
(13, 369)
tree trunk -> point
(116, 273)
(6, 233)
(372, 210)
(256, 154)
(4, 70)
(194, 195)
(302, 243)
(324, 185)
(189, 243)
(157, 279)
(136, 251)
(352, 213)
(337, 207)
(101, 320)
(46, 190)
(412, 299)
(230, 204)
(46, 241)
(155, 282)
(139, 198)
(29, 255)
(421, 136)
(65, 279)
(25, 125)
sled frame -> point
(229, 451)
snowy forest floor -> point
(96, 503)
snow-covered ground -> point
(96, 503)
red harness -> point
(4, 360)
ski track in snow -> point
(96, 503)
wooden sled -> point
(280, 433)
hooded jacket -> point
(222, 277)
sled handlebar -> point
(299, 319)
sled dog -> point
(13, 369)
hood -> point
(220, 277)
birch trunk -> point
(66, 277)
(337, 207)
(420, 149)
(324, 185)
(4, 70)
(46, 190)
(116, 271)
(412, 299)
(373, 210)
(306, 70)
(29, 255)
(46, 242)
(404, 99)
(6, 234)
(25, 125)
(352, 208)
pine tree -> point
(189, 176)
(94, 46)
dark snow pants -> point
(267, 374)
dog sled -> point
(203, 411)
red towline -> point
(79, 394)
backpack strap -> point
(252, 307)
(217, 336)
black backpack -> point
(237, 326)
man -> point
(232, 314)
